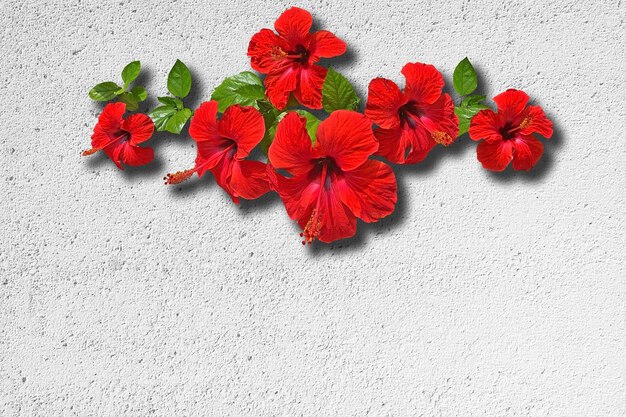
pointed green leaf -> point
(465, 115)
(465, 79)
(244, 88)
(132, 101)
(177, 121)
(172, 102)
(140, 93)
(270, 114)
(161, 115)
(338, 93)
(179, 80)
(104, 91)
(130, 72)
(472, 101)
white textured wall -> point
(499, 295)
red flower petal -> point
(244, 125)
(423, 82)
(222, 172)
(370, 191)
(495, 156)
(421, 144)
(384, 99)
(265, 49)
(210, 153)
(291, 148)
(537, 122)
(439, 118)
(136, 155)
(298, 193)
(404, 145)
(294, 24)
(527, 151)
(203, 126)
(99, 138)
(347, 137)
(325, 44)
(337, 221)
(280, 82)
(249, 180)
(139, 126)
(390, 145)
(309, 89)
(511, 103)
(111, 117)
(486, 125)
(114, 151)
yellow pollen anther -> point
(526, 122)
(178, 177)
(442, 138)
(277, 53)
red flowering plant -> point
(328, 171)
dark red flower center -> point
(410, 114)
(509, 131)
(300, 54)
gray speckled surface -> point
(482, 295)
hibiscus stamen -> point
(90, 151)
(442, 138)
(312, 228)
(277, 53)
(526, 122)
(314, 225)
(178, 177)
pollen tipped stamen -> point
(178, 177)
(90, 151)
(442, 138)
(526, 122)
(312, 229)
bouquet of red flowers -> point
(327, 172)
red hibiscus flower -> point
(411, 122)
(508, 134)
(332, 181)
(289, 58)
(222, 146)
(119, 137)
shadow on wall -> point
(463, 147)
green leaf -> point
(161, 115)
(104, 91)
(133, 97)
(338, 93)
(244, 88)
(465, 115)
(312, 123)
(172, 102)
(130, 72)
(270, 114)
(140, 93)
(132, 101)
(473, 101)
(465, 79)
(177, 121)
(179, 80)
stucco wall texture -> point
(483, 294)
